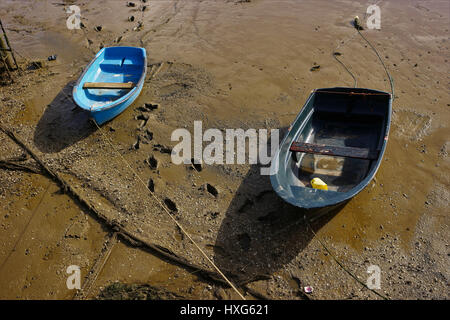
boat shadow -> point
(260, 232)
(62, 124)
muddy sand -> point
(229, 64)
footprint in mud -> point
(171, 205)
(196, 165)
(162, 148)
(411, 125)
(137, 144)
(144, 119)
(151, 185)
(210, 189)
(244, 241)
(315, 68)
(148, 135)
(148, 107)
(153, 162)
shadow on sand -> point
(62, 124)
(260, 232)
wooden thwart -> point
(109, 85)
(348, 152)
(351, 93)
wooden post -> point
(6, 57)
(6, 51)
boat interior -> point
(116, 65)
(341, 139)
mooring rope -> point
(26, 226)
(340, 264)
(170, 215)
(391, 81)
(335, 55)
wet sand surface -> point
(229, 64)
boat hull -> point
(103, 116)
(111, 65)
(346, 120)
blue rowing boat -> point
(339, 137)
(111, 82)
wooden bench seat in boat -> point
(349, 152)
(109, 85)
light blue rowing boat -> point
(111, 82)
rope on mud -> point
(339, 263)
(335, 55)
(127, 235)
(391, 81)
(171, 217)
(26, 227)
